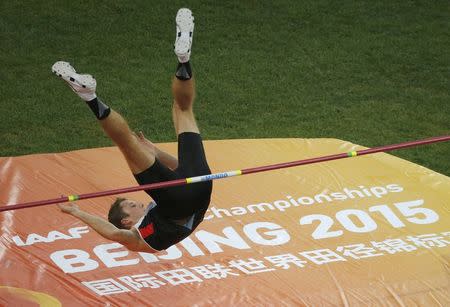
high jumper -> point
(175, 212)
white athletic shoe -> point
(83, 85)
(185, 31)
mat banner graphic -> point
(352, 231)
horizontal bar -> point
(178, 182)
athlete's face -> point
(135, 211)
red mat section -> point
(367, 230)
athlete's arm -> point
(164, 157)
(128, 238)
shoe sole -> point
(66, 72)
(185, 23)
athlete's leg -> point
(112, 122)
(138, 158)
(182, 109)
(183, 84)
(188, 201)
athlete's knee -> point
(183, 106)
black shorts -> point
(181, 201)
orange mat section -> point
(360, 231)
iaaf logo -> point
(32, 238)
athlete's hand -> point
(146, 142)
(70, 208)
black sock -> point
(100, 109)
(184, 71)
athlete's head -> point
(124, 213)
